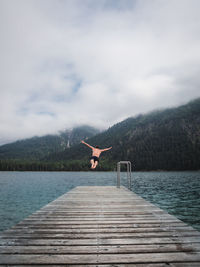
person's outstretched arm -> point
(87, 144)
(105, 149)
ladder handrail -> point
(128, 163)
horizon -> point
(66, 63)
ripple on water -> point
(22, 193)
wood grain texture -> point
(100, 226)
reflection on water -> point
(22, 193)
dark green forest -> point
(37, 148)
(166, 139)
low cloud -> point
(65, 63)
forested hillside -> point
(161, 140)
(37, 148)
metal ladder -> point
(128, 163)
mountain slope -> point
(37, 148)
(161, 140)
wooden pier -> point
(100, 226)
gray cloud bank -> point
(65, 63)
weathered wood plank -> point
(97, 230)
(99, 249)
(100, 258)
(108, 241)
(92, 226)
(100, 235)
(101, 220)
(188, 264)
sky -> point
(65, 63)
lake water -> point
(22, 193)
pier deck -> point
(100, 226)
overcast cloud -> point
(97, 62)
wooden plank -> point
(99, 249)
(108, 241)
(100, 235)
(91, 226)
(188, 264)
(100, 258)
(97, 230)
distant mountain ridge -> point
(166, 139)
(36, 148)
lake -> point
(22, 193)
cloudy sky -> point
(69, 62)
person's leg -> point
(95, 164)
(92, 164)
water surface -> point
(22, 193)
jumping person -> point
(96, 152)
